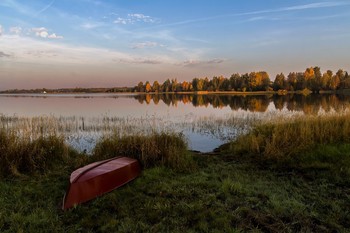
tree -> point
(166, 86)
(292, 81)
(325, 81)
(279, 82)
(316, 83)
(334, 82)
(156, 86)
(235, 81)
(185, 86)
(140, 87)
(173, 85)
(148, 87)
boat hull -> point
(98, 178)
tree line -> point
(311, 79)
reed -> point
(287, 138)
(24, 155)
(155, 149)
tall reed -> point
(286, 138)
(25, 155)
(154, 149)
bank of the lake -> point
(224, 194)
(240, 187)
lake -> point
(207, 121)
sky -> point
(105, 43)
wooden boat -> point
(98, 178)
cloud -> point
(43, 33)
(1, 30)
(135, 18)
(16, 30)
(54, 36)
(2, 54)
(141, 61)
(45, 8)
(123, 21)
(192, 63)
(314, 6)
(147, 44)
(142, 18)
(40, 32)
(311, 6)
(32, 51)
(90, 25)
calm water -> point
(206, 120)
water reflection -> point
(310, 104)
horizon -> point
(90, 44)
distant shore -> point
(124, 91)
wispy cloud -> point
(147, 44)
(2, 54)
(16, 30)
(13, 4)
(193, 63)
(141, 61)
(91, 25)
(1, 30)
(45, 8)
(135, 18)
(302, 7)
(30, 50)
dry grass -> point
(287, 138)
(154, 149)
(25, 155)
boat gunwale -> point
(93, 167)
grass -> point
(23, 155)
(222, 195)
(154, 149)
(287, 138)
(244, 188)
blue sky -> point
(85, 43)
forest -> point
(312, 79)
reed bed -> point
(286, 138)
(154, 149)
(24, 155)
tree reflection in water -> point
(309, 104)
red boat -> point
(98, 178)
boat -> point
(98, 178)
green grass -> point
(222, 195)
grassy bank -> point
(259, 183)
(222, 195)
(313, 142)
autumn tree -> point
(292, 81)
(140, 87)
(156, 86)
(279, 82)
(166, 86)
(148, 87)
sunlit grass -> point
(285, 138)
(154, 149)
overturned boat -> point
(98, 178)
